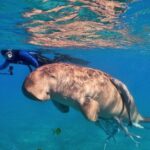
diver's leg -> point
(67, 58)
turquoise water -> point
(29, 125)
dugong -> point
(96, 94)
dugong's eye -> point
(47, 93)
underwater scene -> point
(109, 35)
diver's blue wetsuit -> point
(20, 57)
(34, 59)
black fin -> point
(61, 107)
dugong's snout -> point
(35, 91)
(27, 94)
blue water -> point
(29, 125)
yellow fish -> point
(57, 131)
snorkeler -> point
(33, 58)
(17, 57)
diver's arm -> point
(4, 65)
(29, 59)
(11, 68)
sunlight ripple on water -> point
(79, 23)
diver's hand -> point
(11, 68)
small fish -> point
(57, 131)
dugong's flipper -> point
(61, 107)
(125, 94)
